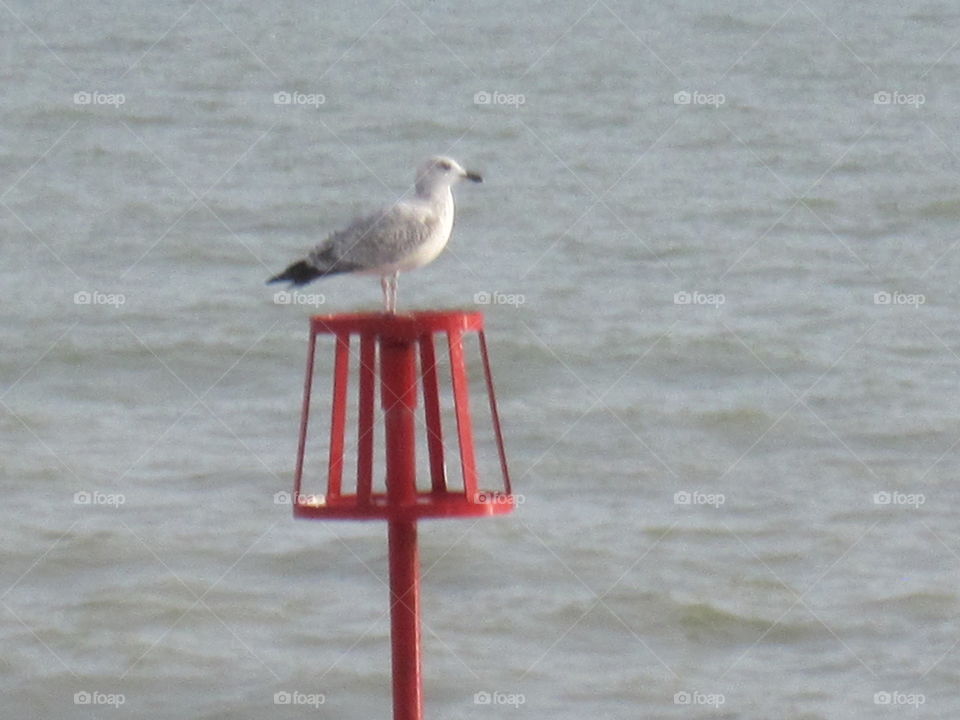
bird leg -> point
(388, 283)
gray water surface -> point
(713, 261)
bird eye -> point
(444, 165)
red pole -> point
(398, 379)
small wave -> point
(820, 203)
(925, 605)
(742, 418)
(705, 620)
(937, 19)
(152, 119)
(948, 209)
(850, 167)
(727, 23)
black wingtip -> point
(300, 273)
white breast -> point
(428, 251)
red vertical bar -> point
(431, 411)
(338, 420)
(398, 384)
(461, 401)
(493, 412)
(368, 359)
(304, 415)
(398, 381)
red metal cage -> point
(399, 352)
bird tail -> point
(300, 273)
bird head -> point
(442, 172)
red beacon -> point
(400, 351)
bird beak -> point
(473, 176)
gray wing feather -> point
(379, 239)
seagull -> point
(401, 237)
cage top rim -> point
(398, 325)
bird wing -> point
(379, 239)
